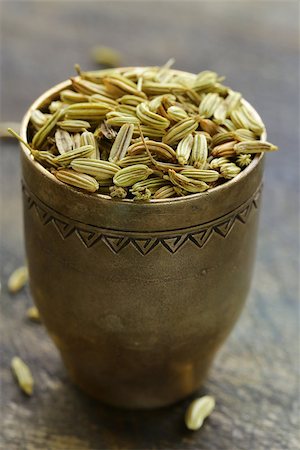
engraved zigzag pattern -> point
(89, 236)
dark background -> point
(254, 379)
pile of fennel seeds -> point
(146, 133)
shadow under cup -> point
(138, 296)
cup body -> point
(138, 296)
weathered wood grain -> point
(254, 379)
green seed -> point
(82, 152)
(254, 147)
(180, 130)
(202, 175)
(76, 179)
(131, 175)
(42, 134)
(101, 170)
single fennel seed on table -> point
(22, 374)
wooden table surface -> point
(254, 378)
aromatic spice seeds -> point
(145, 133)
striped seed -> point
(180, 191)
(209, 126)
(158, 149)
(88, 138)
(216, 163)
(155, 103)
(188, 184)
(185, 104)
(160, 166)
(153, 184)
(205, 80)
(183, 149)
(176, 113)
(121, 143)
(55, 106)
(243, 118)
(87, 111)
(117, 119)
(42, 134)
(96, 76)
(209, 104)
(180, 130)
(229, 170)
(227, 125)
(130, 100)
(202, 175)
(76, 179)
(233, 101)
(65, 159)
(101, 170)
(222, 138)
(242, 134)
(131, 175)
(156, 88)
(68, 96)
(103, 99)
(45, 158)
(133, 160)
(220, 89)
(149, 131)
(164, 71)
(199, 151)
(254, 147)
(73, 126)
(226, 150)
(87, 87)
(193, 97)
(38, 119)
(63, 141)
(165, 192)
(118, 85)
(76, 140)
(220, 112)
(128, 110)
(150, 118)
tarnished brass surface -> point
(138, 296)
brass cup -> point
(138, 296)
